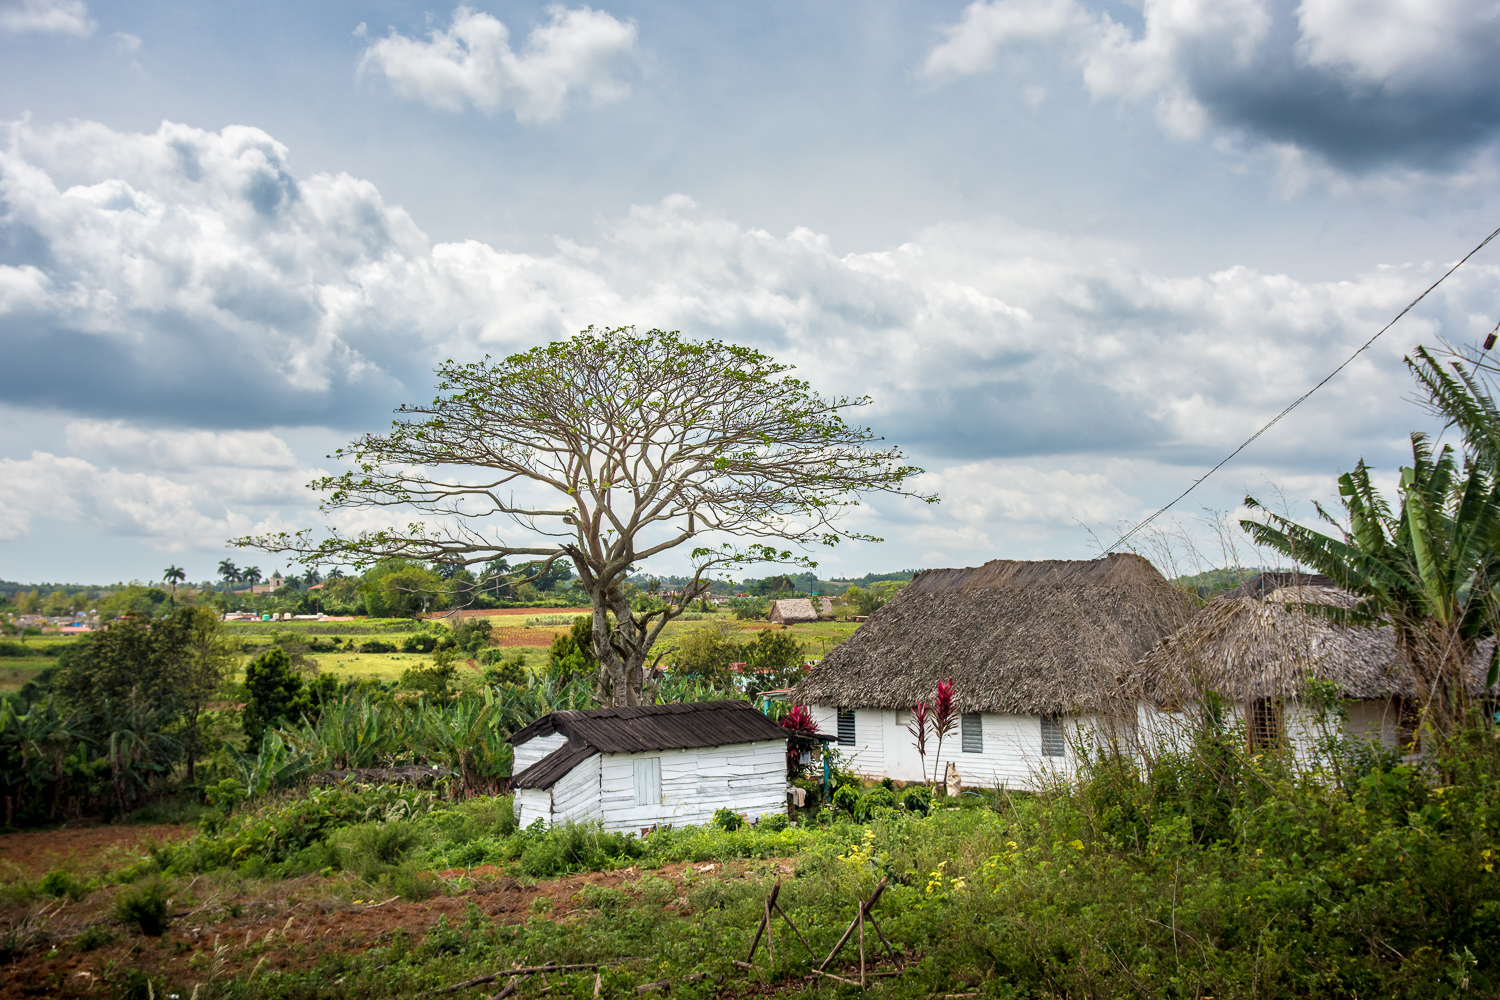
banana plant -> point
(1429, 568)
(275, 765)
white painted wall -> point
(532, 804)
(749, 778)
(1012, 755)
(575, 796)
(535, 749)
(1376, 720)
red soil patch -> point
(492, 612)
(83, 849)
(540, 635)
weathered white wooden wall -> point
(575, 796)
(749, 778)
(532, 804)
(1375, 720)
(1012, 756)
(535, 749)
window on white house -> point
(1053, 744)
(971, 732)
(846, 727)
(647, 772)
(1264, 724)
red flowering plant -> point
(798, 720)
(944, 718)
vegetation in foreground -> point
(1207, 873)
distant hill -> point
(9, 588)
(1216, 581)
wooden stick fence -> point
(856, 926)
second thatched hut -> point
(1035, 650)
(1283, 671)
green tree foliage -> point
(433, 681)
(132, 598)
(705, 653)
(749, 608)
(868, 600)
(401, 589)
(472, 634)
(774, 660)
(639, 444)
(772, 586)
(572, 653)
(174, 665)
(276, 692)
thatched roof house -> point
(1028, 646)
(1047, 637)
(1259, 641)
(792, 611)
(1258, 646)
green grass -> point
(359, 626)
(1219, 875)
(16, 672)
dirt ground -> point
(283, 926)
(85, 850)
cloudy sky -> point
(1075, 251)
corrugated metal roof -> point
(545, 772)
(634, 729)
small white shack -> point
(634, 768)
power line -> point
(1300, 399)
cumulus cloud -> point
(59, 17)
(186, 510)
(120, 443)
(192, 279)
(1362, 84)
(471, 63)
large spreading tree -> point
(609, 449)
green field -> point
(15, 671)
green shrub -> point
(772, 822)
(576, 847)
(282, 829)
(654, 890)
(433, 682)
(420, 642)
(377, 646)
(143, 904)
(728, 819)
(846, 799)
(369, 850)
(410, 882)
(916, 800)
(602, 898)
(93, 936)
(58, 883)
(875, 799)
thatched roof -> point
(1260, 642)
(791, 610)
(1029, 638)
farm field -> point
(17, 671)
(530, 641)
